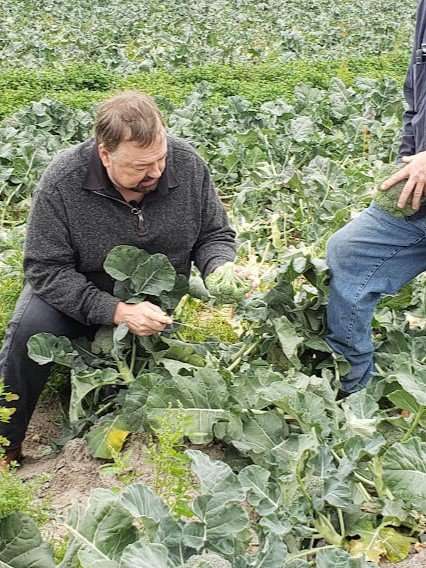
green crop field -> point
(296, 107)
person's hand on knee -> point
(415, 174)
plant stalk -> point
(311, 551)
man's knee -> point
(338, 248)
(33, 315)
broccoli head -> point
(225, 285)
(201, 321)
(207, 561)
(388, 200)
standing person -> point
(377, 253)
(133, 184)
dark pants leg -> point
(20, 374)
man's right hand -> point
(142, 319)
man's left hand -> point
(248, 274)
(415, 174)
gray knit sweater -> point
(77, 217)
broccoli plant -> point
(225, 284)
(207, 561)
(388, 200)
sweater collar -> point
(97, 178)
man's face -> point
(133, 168)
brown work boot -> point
(11, 456)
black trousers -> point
(21, 375)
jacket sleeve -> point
(216, 241)
(408, 145)
(50, 263)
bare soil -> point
(72, 473)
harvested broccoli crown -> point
(207, 322)
(388, 200)
(207, 561)
(225, 285)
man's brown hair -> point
(128, 116)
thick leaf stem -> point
(311, 551)
(241, 354)
(364, 480)
(133, 358)
(341, 523)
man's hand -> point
(249, 274)
(229, 283)
(415, 174)
(142, 319)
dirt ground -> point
(71, 474)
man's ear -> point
(104, 155)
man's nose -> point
(155, 171)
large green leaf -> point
(144, 273)
(122, 261)
(402, 399)
(206, 389)
(272, 555)
(289, 453)
(414, 383)
(143, 555)
(102, 531)
(404, 472)
(170, 300)
(153, 276)
(177, 350)
(21, 545)
(197, 403)
(216, 477)
(83, 383)
(288, 338)
(46, 348)
(132, 411)
(304, 405)
(261, 493)
(141, 501)
(246, 388)
(222, 522)
(260, 433)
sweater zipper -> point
(135, 210)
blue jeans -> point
(374, 254)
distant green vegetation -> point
(82, 85)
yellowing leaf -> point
(106, 437)
(381, 543)
(116, 438)
(397, 545)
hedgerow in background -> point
(80, 86)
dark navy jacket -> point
(413, 138)
(414, 131)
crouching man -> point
(132, 184)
